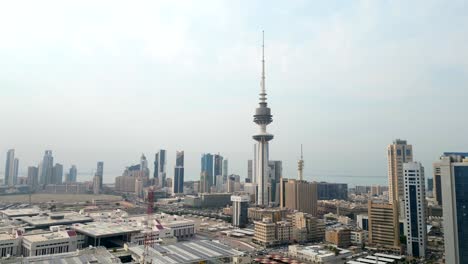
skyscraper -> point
(33, 173)
(275, 173)
(57, 174)
(384, 227)
(398, 153)
(160, 168)
(206, 175)
(218, 167)
(225, 168)
(11, 168)
(250, 170)
(442, 171)
(72, 174)
(455, 210)
(178, 182)
(46, 168)
(262, 118)
(240, 207)
(415, 206)
(100, 173)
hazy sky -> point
(109, 80)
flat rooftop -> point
(10, 213)
(184, 252)
(49, 236)
(60, 218)
(106, 229)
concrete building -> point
(51, 243)
(455, 209)
(262, 118)
(46, 168)
(332, 191)
(307, 228)
(88, 255)
(178, 182)
(299, 195)
(258, 214)
(268, 233)
(397, 153)
(96, 184)
(441, 170)
(415, 206)
(384, 228)
(125, 184)
(225, 168)
(11, 169)
(318, 254)
(275, 173)
(359, 237)
(341, 237)
(362, 221)
(100, 173)
(240, 206)
(47, 220)
(10, 245)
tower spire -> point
(300, 167)
(262, 84)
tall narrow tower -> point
(262, 118)
(300, 167)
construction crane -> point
(148, 242)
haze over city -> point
(343, 78)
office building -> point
(230, 184)
(415, 206)
(455, 209)
(178, 182)
(218, 167)
(275, 214)
(362, 221)
(332, 191)
(96, 184)
(46, 168)
(269, 233)
(72, 174)
(299, 195)
(100, 173)
(33, 173)
(240, 206)
(11, 168)
(160, 168)
(250, 170)
(442, 170)
(341, 237)
(225, 168)
(57, 174)
(262, 118)
(206, 175)
(275, 173)
(125, 184)
(307, 228)
(51, 243)
(384, 227)
(397, 153)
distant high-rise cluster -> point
(11, 168)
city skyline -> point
(347, 73)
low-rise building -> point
(9, 245)
(275, 214)
(307, 228)
(51, 243)
(341, 237)
(318, 254)
(359, 237)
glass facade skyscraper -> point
(178, 181)
(206, 176)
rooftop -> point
(20, 212)
(88, 255)
(103, 229)
(185, 252)
(56, 219)
(49, 236)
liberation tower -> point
(262, 118)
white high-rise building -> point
(415, 206)
(455, 208)
(240, 206)
(262, 118)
